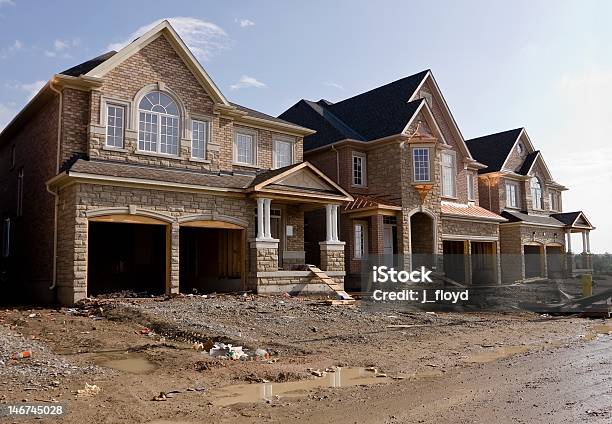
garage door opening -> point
(484, 263)
(211, 260)
(126, 257)
(454, 260)
(533, 261)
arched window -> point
(536, 193)
(158, 129)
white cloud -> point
(49, 53)
(6, 114)
(205, 39)
(17, 45)
(32, 88)
(247, 82)
(246, 23)
(581, 157)
(7, 3)
(60, 45)
(334, 85)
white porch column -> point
(260, 218)
(584, 242)
(335, 223)
(588, 241)
(568, 234)
(267, 226)
(328, 223)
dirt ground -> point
(429, 367)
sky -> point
(545, 65)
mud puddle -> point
(342, 377)
(491, 355)
(128, 362)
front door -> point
(388, 244)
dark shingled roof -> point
(529, 160)
(83, 68)
(161, 174)
(493, 149)
(377, 113)
(256, 114)
(567, 218)
(266, 175)
(515, 216)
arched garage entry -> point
(128, 252)
(212, 254)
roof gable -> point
(162, 29)
(493, 149)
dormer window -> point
(158, 129)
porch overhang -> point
(363, 206)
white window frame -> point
(453, 174)
(109, 105)
(6, 237)
(275, 141)
(539, 205)
(364, 167)
(160, 116)
(509, 198)
(555, 201)
(360, 247)
(471, 192)
(207, 128)
(253, 134)
(20, 177)
(414, 162)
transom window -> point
(244, 147)
(159, 124)
(115, 118)
(511, 195)
(199, 138)
(283, 153)
(536, 193)
(448, 174)
(420, 162)
(359, 169)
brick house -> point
(518, 184)
(398, 151)
(133, 171)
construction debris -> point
(342, 295)
(227, 351)
(89, 390)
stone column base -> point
(332, 255)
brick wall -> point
(30, 264)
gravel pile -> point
(42, 369)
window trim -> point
(208, 123)
(470, 185)
(516, 197)
(364, 233)
(108, 105)
(555, 200)
(533, 197)
(245, 131)
(364, 169)
(179, 123)
(414, 179)
(453, 155)
(281, 139)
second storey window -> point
(283, 153)
(420, 164)
(199, 139)
(114, 125)
(448, 175)
(470, 186)
(555, 201)
(158, 129)
(244, 147)
(511, 195)
(536, 193)
(359, 169)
